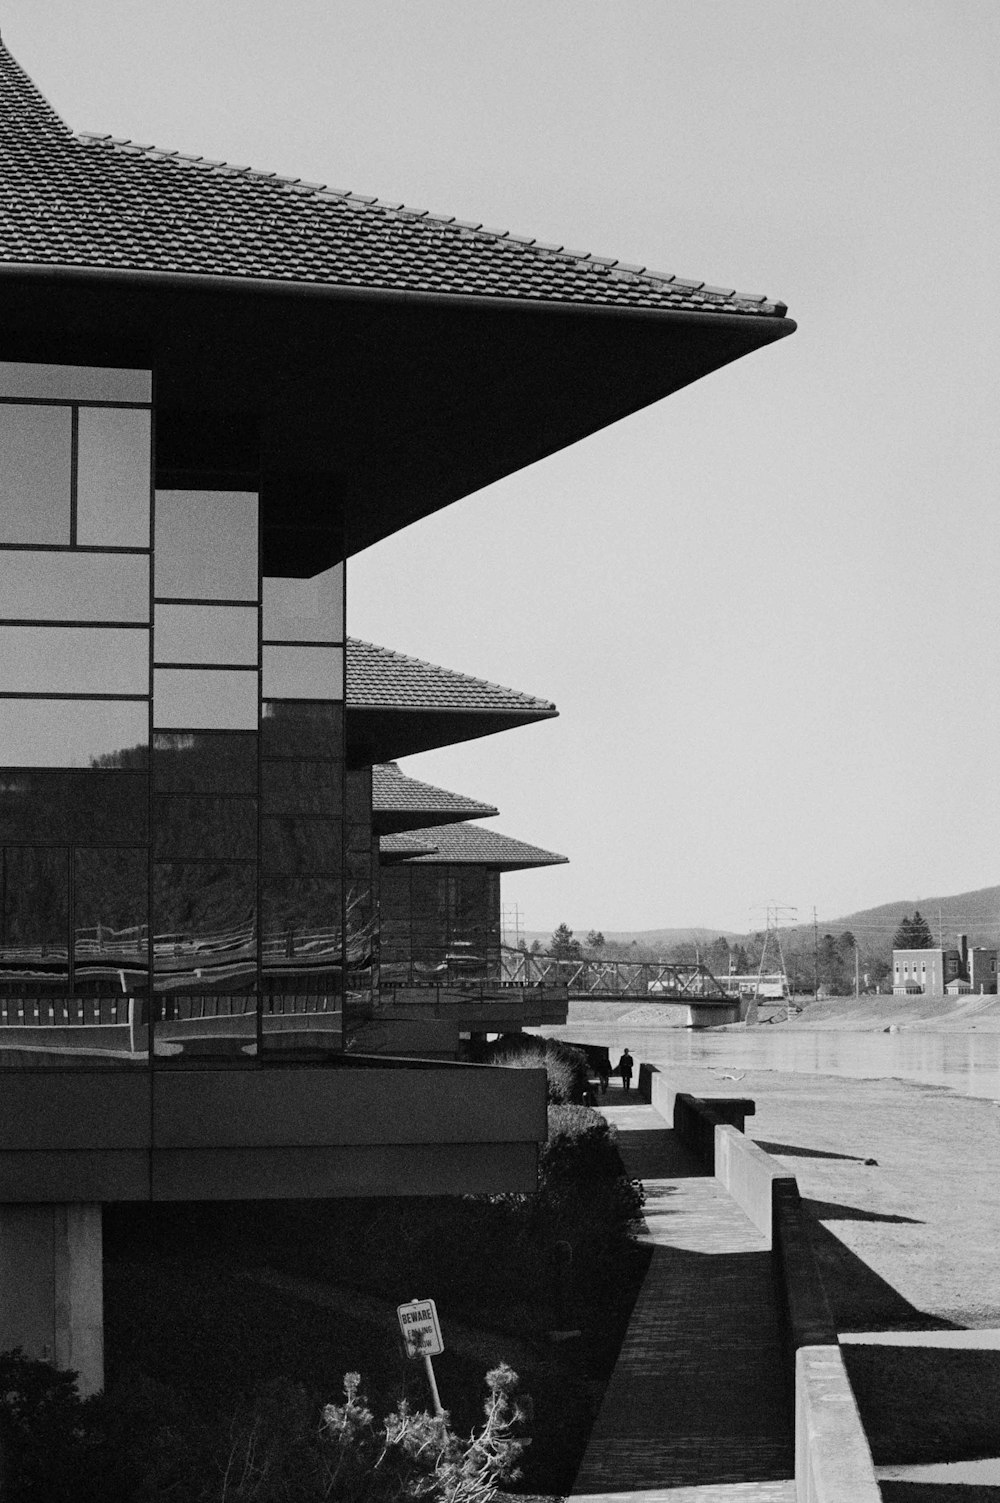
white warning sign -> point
(418, 1322)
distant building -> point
(939, 972)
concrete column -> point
(52, 1287)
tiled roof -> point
(395, 793)
(99, 202)
(474, 844)
(403, 848)
(380, 679)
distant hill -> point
(975, 914)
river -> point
(965, 1062)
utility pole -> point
(857, 970)
(815, 956)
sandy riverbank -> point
(849, 1014)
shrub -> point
(566, 1068)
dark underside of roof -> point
(368, 409)
(375, 735)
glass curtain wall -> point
(171, 752)
(439, 924)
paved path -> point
(696, 1409)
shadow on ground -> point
(926, 1404)
(826, 1210)
(793, 1151)
(860, 1299)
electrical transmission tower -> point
(777, 915)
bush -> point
(566, 1068)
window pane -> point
(109, 809)
(74, 382)
(200, 826)
(205, 699)
(74, 660)
(302, 788)
(206, 545)
(294, 846)
(113, 476)
(205, 634)
(34, 908)
(302, 730)
(205, 762)
(110, 897)
(302, 981)
(204, 934)
(305, 610)
(303, 672)
(34, 807)
(35, 469)
(74, 586)
(73, 733)
(358, 785)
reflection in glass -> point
(34, 806)
(303, 672)
(113, 477)
(205, 699)
(34, 917)
(302, 730)
(35, 474)
(73, 732)
(110, 924)
(206, 545)
(200, 827)
(300, 846)
(74, 660)
(109, 808)
(305, 610)
(293, 787)
(302, 980)
(74, 586)
(204, 930)
(205, 762)
(74, 383)
(205, 634)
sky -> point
(768, 607)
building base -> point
(52, 1287)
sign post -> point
(418, 1322)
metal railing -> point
(611, 978)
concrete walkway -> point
(696, 1410)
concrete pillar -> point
(52, 1287)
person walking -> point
(624, 1069)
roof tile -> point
(394, 792)
(379, 678)
(473, 844)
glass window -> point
(295, 846)
(305, 610)
(302, 730)
(74, 660)
(205, 634)
(110, 918)
(205, 699)
(34, 807)
(34, 904)
(205, 762)
(302, 788)
(303, 672)
(109, 810)
(74, 383)
(35, 474)
(204, 930)
(199, 826)
(358, 786)
(74, 586)
(206, 545)
(74, 733)
(300, 923)
(113, 476)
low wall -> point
(749, 1174)
(833, 1462)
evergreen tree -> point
(913, 933)
(564, 946)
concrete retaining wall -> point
(749, 1174)
(833, 1463)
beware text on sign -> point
(418, 1322)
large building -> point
(215, 386)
